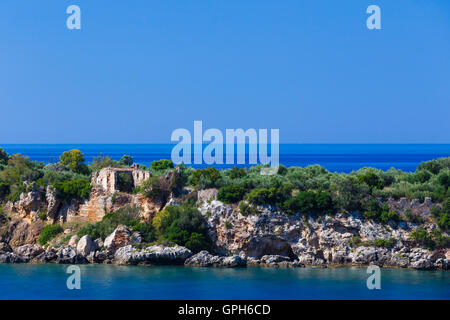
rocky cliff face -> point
(316, 241)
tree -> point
(126, 160)
(231, 194)
(3, 157)
(74, 159)
(162, 164)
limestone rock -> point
(53, 203)
(69, 255)
(29, 202)
(85, 246)
(4, 248)
(73, 241)
(99, 243)
(120, 237)
(49, 255)
(153, 255)
(205, 259)
(12, 258)
(29, 251)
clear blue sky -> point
(139, 69)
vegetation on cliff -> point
(312, 190)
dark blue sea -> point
(34, 281)
(334, 157)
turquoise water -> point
(31, 281)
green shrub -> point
(49, 232)
(373, 209)
(268, 196)
(311, 202)
(236, 173)
(125, 182)
(411, 217)
(101, 162)
(126, 160)
(73, 189)
(184, 226)
(74, 159)
(431, 240)
(231, 194)
(372, 180)
(161, 165)
(42, 215)
(389, 243)
(387, 216)
(205, 178)
(156, 188)
(355, 241)
(247, 209)
(5, 189)
(4, 157)
(444, 221)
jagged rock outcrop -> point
(4, 248)
(49, 255)
(12, 258)
(69, 255)
(29, 251)
(120, 237)
(205, 259)
(312, 240)
(153, 255)
(22, 231)
(29, 202)
(53, 203)
(73, 241)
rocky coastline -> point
(265, 237)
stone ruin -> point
(106, 178)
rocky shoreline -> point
(266, 236)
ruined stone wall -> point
(107, 178)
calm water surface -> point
(48, 281)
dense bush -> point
(3, 157)
(74, 159)
(161, 165)
(372, 180)
(101, 162)
(205, 178)
(49, 232)
(125, 182)
(430, 240)
(231, 194)
(349, 191)
(309, 202)
(156, 188)
(5, 189)
(268, 196)
(73, 189)
(184, 226)
(247, 209)
(236, 173)
(389, 243)
(126, 160)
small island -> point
(118, 212)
